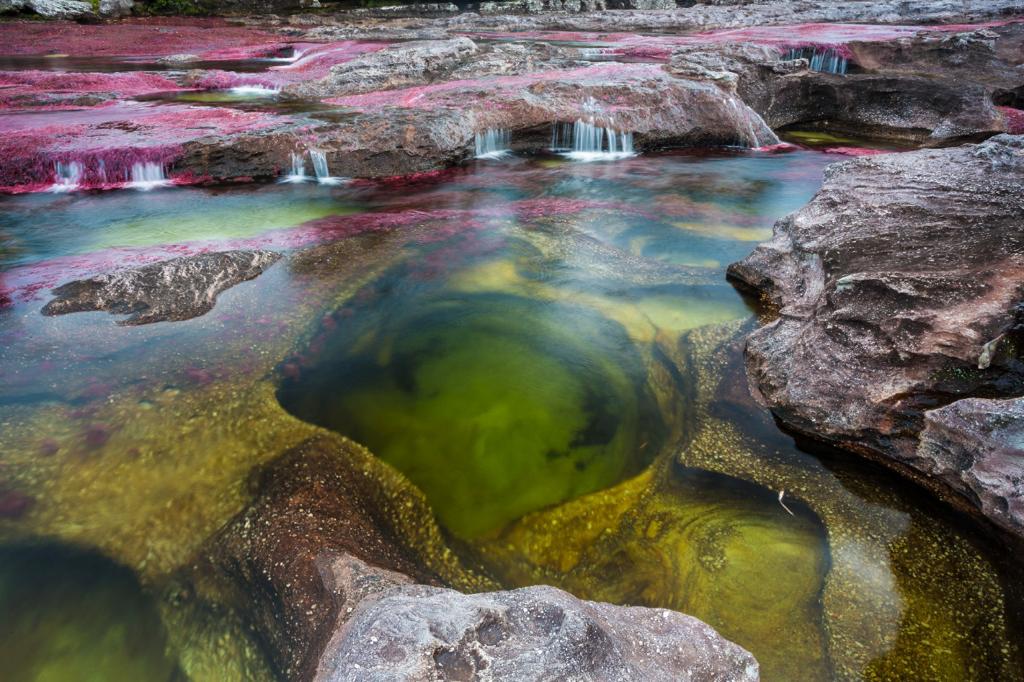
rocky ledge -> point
(170, 290)
(899, 292)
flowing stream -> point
(548, 350)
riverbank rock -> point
(49, 9)
(976, 446)
(934, 88)
(898, 289)
(171, 290)
(418, 632)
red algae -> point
(856, 151)
(108, 140)
(151, 36)
(18, 88)
(1014, 120)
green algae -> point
(492, 405)
(71, 615)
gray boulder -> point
(175, 289)
(51, 9)
(417, 632)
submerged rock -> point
(171, 290)
(898, 288)
(418, 632)
(297, 553)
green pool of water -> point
(70, 615)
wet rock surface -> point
(171, 290)
(418, 632)
(934, 88)
(976, 446)
(898, 289)
(298, 553)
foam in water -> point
(68, 176)
(298, 173)
(585, 141)
(148, 175)
(493, 143)
(824, 59)
(323, 175)
(255, 91)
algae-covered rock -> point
(292, 554)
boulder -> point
(116, 8)
(170, 290)
(50, 9)
(898, 290)
(976, 446)
(314, 542)
(417, 632)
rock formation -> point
(898, 289)
(417, 632)
(176, 289)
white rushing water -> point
(493, 143)
(298, 173)
(148, 175)
(823, 59)
(68, 176)
(323, 174)
(585, 141)
(254, 91)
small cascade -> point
(298, 173)
(148, 175)
(585, 141)
(323, 175)
(68, 176)
(254, 91)
(493, 143)
(823, 59)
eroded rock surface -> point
(171, 290)
(933, 88)
(898, 288)
(293, 552)
(418, 632)
(977, 447)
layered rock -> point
(976, 446)
(898, 290)
(427, 633)
(933, 88)
(175, 289)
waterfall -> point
(68, 176)
(147, 175)
(298, 173)
(493, 143)
(583, 141)
(254, 91)
(824, 59)
(323, 175)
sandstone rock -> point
(402, 65)
(293, 552)
(898, 288)
(976, 446)
(171, 290)
(418, 632)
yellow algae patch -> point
(724, 231)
